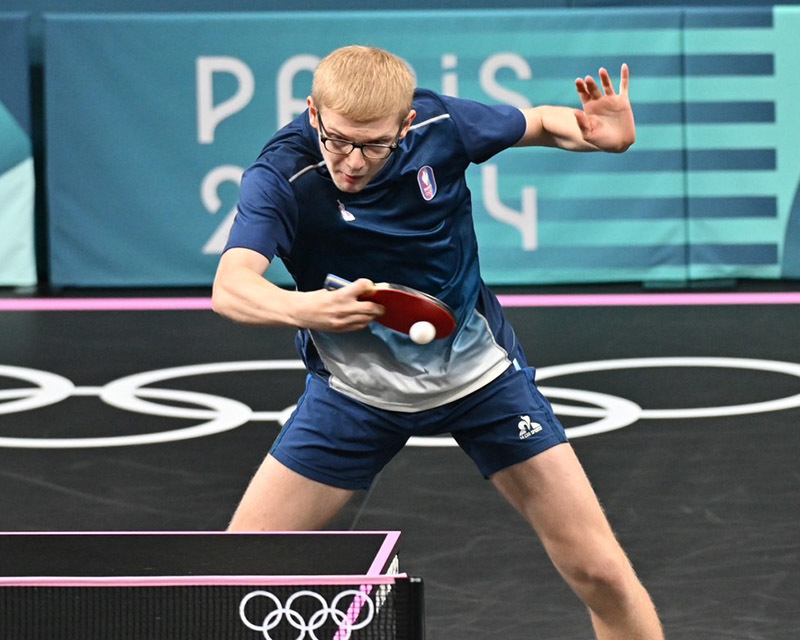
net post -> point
(415, 627)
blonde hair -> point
(364, 84)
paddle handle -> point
(335, 282)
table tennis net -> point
(389, 609)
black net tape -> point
(199, 612)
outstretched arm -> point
(605, 123)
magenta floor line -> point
(105, 304)
(649, 299)
(521, 300)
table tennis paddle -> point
(404, 306)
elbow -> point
(220, 300)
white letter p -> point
(209, 115)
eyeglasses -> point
(371, 150)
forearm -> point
(242, 294)
(248, 298)
(552, 126)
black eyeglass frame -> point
(390, 148)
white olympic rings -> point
(616, 413)
(218, 414)
(221, 414)
(345, 620)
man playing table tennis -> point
(369, 181)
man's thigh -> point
(279, 499)
(552, 492)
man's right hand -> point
(339, 310)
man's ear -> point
(407, 123)
(312, 112)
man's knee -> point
(601, 579)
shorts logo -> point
(527, 428)
(427, 182)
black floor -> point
(708, 508)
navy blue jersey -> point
(411, 225)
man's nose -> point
(356, 159)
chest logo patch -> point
(427, 182)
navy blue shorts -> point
(345, 443)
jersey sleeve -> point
(266, 213)
(485, 130)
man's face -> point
(352, 172)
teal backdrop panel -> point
(549, 216)
(17, 252)
(151, 119)
(741, 133)
(787, 28)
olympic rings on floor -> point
(218, 414)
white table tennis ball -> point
(422, 332)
